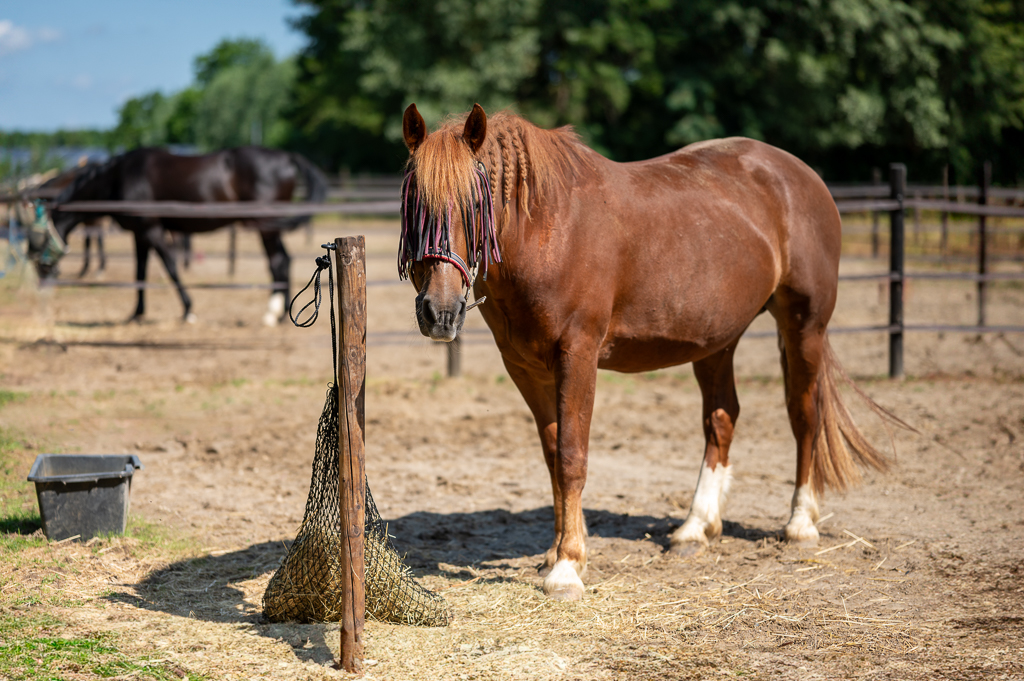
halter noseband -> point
(451, 257)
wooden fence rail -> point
(892, 199)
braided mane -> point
(443, 176)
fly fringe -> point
(839, 445)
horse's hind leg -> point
(802, 339)
(721, 410)
(280, 264)
(142, 246)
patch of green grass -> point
(32, 649)
(153, 535)
(239, 382)
(18, 513)
(11, 396)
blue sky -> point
(72, 63)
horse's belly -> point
(632, 355)
(669, 337)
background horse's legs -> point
(280, 265)
(801, 339)
(85, 257)
(721, 410)
(101, 251)
(540, 398)
(142, 246)
(156, 237)
(575, 379)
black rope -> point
(323, 262)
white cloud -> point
(82, 81)
(48, 35)
(17, 38)
(13, 38)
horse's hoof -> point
(687, 549)
(544, 570)
(568, 593)
(562, 582)
(802, 533)
(190, 318)
(134, 319)
(269, 319)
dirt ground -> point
(919, 573)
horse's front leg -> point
(575, 378)
(156, 236)
(538, 389)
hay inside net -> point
(307, 586)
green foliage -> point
(242, 105)
(239, 93)
(366, 61)
(845, 84)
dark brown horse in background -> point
(154, 174)
(632, 267)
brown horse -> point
(632, 267)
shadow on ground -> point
(211, 588)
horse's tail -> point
(316, 189)
(839, 445)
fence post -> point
(944, 238)
(232, 248)
(876, 178)
(455, 357)
(351, 259)
(897, 188)
(985, 181)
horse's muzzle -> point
(440, 321)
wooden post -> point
(351, 259)
(917, 221)
(455, 357)
(897, 188)
(944, 237)
(232, 248)
(876, 178)
(986, 180)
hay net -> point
(308, 585)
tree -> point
(239, 93)
(845, 84)
(366, 60)
(242, 104)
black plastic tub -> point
(83, 494)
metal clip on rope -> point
(323, 262)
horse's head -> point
(48, 229)
(45, 244)
(448, 227)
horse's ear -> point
(476, 128)
(414, 130)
